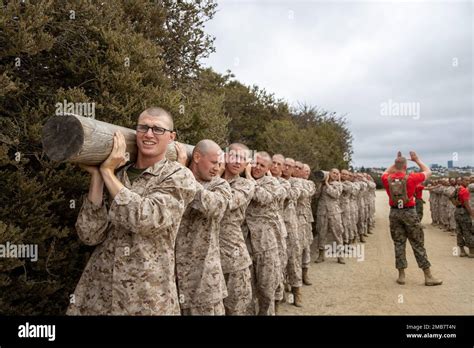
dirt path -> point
(368, 287)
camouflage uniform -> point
(419, 208)
(201, 282)
(282, 237)
(404, 224)
(362, 216)
(345, 204)
(464, 228)
(444, 207)
(372, 188)
(295, 239)
(436, 192)
(305, 218)
(235, 258)
(470, 187)
(354, 208)
(132, 269)
(329, 214)
(367, 204)
(432, 200)
(264, 226)
(451, 210)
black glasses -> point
(143, 128)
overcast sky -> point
(351, 57)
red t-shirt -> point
(463, 195)
(419, 191)
(413, 180)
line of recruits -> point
(207, 238)
(452, 209)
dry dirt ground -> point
(369, 287)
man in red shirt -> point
(419, 201)
(404, 223)
(463, 215)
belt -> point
(397, 208)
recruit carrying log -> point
(78, 139)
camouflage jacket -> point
(470, 187)
(303, 206)
(329, 201)
(132, 269)
(346, 196)
(198, 263)
(234, 253)
(261, 216)
(281, 205)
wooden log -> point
(321, 175)
(78, 139)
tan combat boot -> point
(471, 253)
(341, 260)
(430, 280)
(306, 280)
(362, 240)
(463, 252)
(277, 307)
(401, 276)
(297, 298)
(320, 256)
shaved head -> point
(238, 146)
(161, 113)
(279, 156)
(264, 155)
(207, 156)
(205, 146)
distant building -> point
(450, 164)
(435, 166)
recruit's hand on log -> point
(248, 172)
(181, 155)
(117, 157)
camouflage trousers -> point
(464, 229)
(267, 277)
(372, 211)
(419, 208)
(452, 219)
(444, 217)
(346, 224)
(283, 254)
(294, 272)
(208, 309)
(333, 223)
(354, 217)
(404, 224)
(362, 221)
(308, 232)
(239, 300)
(433, 209)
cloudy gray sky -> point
(363, 59)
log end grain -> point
(62, 137)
